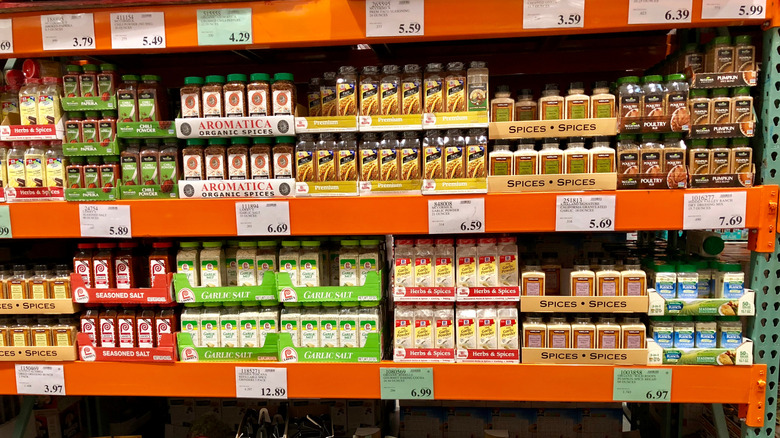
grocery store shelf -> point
(490, 382)
(300, 23)
(504, 213)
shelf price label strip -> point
(733, 9)
(642, 385)
(267, 383)
(406, 383)
(456, 216)
(553, 14)
(395, 18)
(714, 210)
(68, 32)
(105, 221)
(140, 30)
(585, 213)
(6, 36)
(6, 232)
(660, 11)
(40, 379)
(224, 27)
(263, 218)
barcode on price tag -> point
(40, 379)
(728, 9)
(456, 216)
(553, 14)
(254, 382)
(68, 32)
(263, 218)
(6, 36)
(138, 30)
(105, 221)
(706, 211)
(387, 18)
(659, 11)
(585, 213)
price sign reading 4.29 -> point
(139, 30)
(406, 383)
(387, 18)
(659, 11)
(733, 9)
(552, 14)
(68, 32)
(263, 218)
(223, 27)
(456, 216)
(585, 213)
(254, 382)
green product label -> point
(168, 170)
(72, 132)
(602, 110)
(107, 177)
(552, 166)
(209, 332)
(523, 166)
(74, 179)
(188, 269)
(88, 86)
(249, 333)
(366, 265)
(130, 174)
(189, 326)
(578, 110)
(525, 113)
(477, 97)
(70, 86)
(146, 107)
(149, 170)
(288, 325)
(309, 273)
(503, 114)
(89, 132)
(602, 165)
(91, 178)
(268, 325)
(309, 333)
(552, 111)
(105, 85)
(246, 271)
(106, 131)
(287, 266)
(209, 273)
(329, 332)
(126, 106)
(262, 266)
(348, 333)
(229, 332)
(366, 327)
(577, 165)
(347, 271)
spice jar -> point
(477, 82)
(434, 88)
(325, 154)
(257, 94)
(190, 97)
(283, 150)
(699, 105)
(551, 103)
(741, 156)
(151, 98)
(28, 98)
(602, 103)
(260, 158)
(127, 99)
(525, 108)
(369, 156)
(194, 163)
(692, 59)
(721, 156)
(389, 99)
(411, 97)
(150, 163)
(745, 53)
(500, 159)
(474, 152)
(699, 157)
(627, 155)
(211, 96)
(721, 55)
(631, 97)
(130, 159)
(49, 106)
(720, 106)
(455, 91)
(92, 173)
(75, 173)
(409, 156)
(160, 261)
(650, 154)
(502, 107)
(654, 95)
(454, 147)
(741, 105)
(109, 172)
(577, 102)
(107, 80)
(88, 80)
(169, 164)
(284, 94)
(305, 158)
(674, 152)
(237, 158)
(107, 128)
(388, 157)
(347, 157)
(369, 91)
(73, 127)
(234, 95)
(329, 95)
(602, 157)
(313, 98)
(90, 132)
(70, 81)
(214, 156)
(345, 90)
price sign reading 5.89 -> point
(395, 18)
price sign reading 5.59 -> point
(395, 18)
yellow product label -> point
(423, 333)
(410, 164)
(369, 99)
(453, 167)
(390, 99)
(475, 158)
(41, 340)
(62, 339)
(329, 102)
(2, 340)
(326, 166)
(17, 291)
(347, 99)
(488, 271)
(507, 270)
(38, 291)
(403, 272)
(444, 334)
(444, 272)
(432, 162)
(388, 165)
(369, 165)
(60, 291)
(423, 271)
(304, 165)
(347, 165)
(466, 333)
(19, 339)
(487, 333)
(508, 333)
(467, 269)
(403, 333)
(412, 102)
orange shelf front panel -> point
(301, 23)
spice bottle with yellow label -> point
(411, 93)
(329, 95)
(434, 88)
(369, 91)
(368, 156)
(454, 145)
(389, 167)
(455, 87)
(433, 155)
(389, 85)
(475, 151)
(346, 83)
(347, 157)
(326, 157)
(410, 156)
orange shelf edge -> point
(489, 382)
(300, 23)
(403, 214)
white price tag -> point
(5, 223)
(6, 36)
(456, 216)
(553, 14)
(99, 220)
(254, 382)
(705, 211)
(68, 32)
(263, 218)
(139, 30)
(40, 379)
(727, 9)
(387, 18)
(585, 213)
(659, 11)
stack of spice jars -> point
(92, 172)
(238, 96)
(152, 162)
(238, 158)
(91, 127)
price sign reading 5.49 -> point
(552, 14)
(585, 213)
(395, 18)
(456, 216)
(659, 11)
(139, 30)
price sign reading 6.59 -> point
(456, 216)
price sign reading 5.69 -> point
(585, 213)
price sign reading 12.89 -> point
(386, 18)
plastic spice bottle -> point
(602, 102)
(687, 282)
(730, 281)
(662, 329)
(309, 264)
(28, 101)
(434, 88)
(151, 99)
(502, 107)
(347, 157)
(70, 81)
(260, 158)
(266, 259)
(699, 157)
(674, 151)
(15, 165)
(577, 102)
(409, 156)
(305, 158)
(73, 127)
(107, 128)
(745, 53)
(534, 332)
(109, 172)
(501, 159)
(238, 158)
(389, 88)
(194, 163)
(525, 106)
(602, 157)
(654, 96)
(214, 157)
(107, 81)
(231, 270)
(388, 157)
(551, 104)
(467, 256)
(75, 173)
(188, 262)
(666, 281)
(532, 279)
(283, 161)
(329, 95)
(477, 86)
(90, 127)
(634, 333)
(651, 154)
(190, 97)
(721, 156)
(577, 157)
(257, 95)
(676, 98)
(699, 107)
(49, 107)
(692, 58)
(721, 55)
(235, 95)
(346, 94)
(432, 152)
(455, 87)
(212, 264)
(551, 158)
(127, 98)
(474, 152)
(35, 164)
(608, 281)
(289, 260)
(126, 266)
(160, 261)
(526, 159)
(608, 333)
(313, 98)
(631, 97)
(103, 266)
(633, 279)
(454, 148)
(741, 156)
(212, 96)
(284, 94)
(369, 91)
(88, 80)
(444, 261)
(411, 93)
(741, 105)
(150, 164)
(582, 280)
(558, 333)
(325, 155)
(583, 333)
(720, 106)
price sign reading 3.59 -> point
(659, 11)
(456, 216)
(585, 213)
(552, 14)
(406, 383)
(263, 218)
(139, 30)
